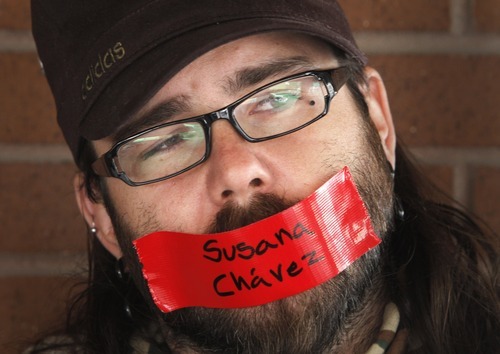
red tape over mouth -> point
(280, 256)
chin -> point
(310, 322)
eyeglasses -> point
(274, 110)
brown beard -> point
(311, 322)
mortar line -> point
(455, 156)
(460, 16)
(391, 42)
(35, 153)
(425, 43)
(461, 184)
(41, 264)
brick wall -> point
(441, 64)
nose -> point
(236, 170)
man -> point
(189, 119)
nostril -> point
(227, 193)
(256, 182)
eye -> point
(180, 137)
(276, 102)
(165, 145)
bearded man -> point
(244, 191)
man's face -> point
(289, 168)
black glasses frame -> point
(108, 165)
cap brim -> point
(137, 83)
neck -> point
(361, 328)
(357, 332)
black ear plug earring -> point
(398, 207)
(122, 276)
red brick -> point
(38, 211)
(486, 194)
(15, 14)
(415, 15)
(27, 110)
(426, 15)
(441, 177)
(487, 15)
(29, 306)
(443, 100)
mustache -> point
(233, 216)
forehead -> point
(220, 66)
(226, 73)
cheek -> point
(318, 151)
(173, 205)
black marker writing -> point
(215, 253)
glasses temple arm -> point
(101, 168)
(339, 77)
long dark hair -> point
(444, 271)
(446, 268)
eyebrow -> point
(251, 76)
(159, 114)
(231, 84)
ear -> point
(380, 113)
(96, 215)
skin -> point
(291, 167)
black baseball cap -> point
(104, 59)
